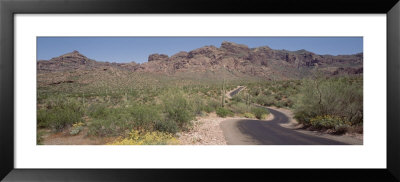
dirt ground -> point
(64, 138)
(206, 131)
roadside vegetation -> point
(149, 109)
(331, 104)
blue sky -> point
(127, 49)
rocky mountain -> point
(260, 62)
(76, 61)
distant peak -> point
(227, 43)
(73, 53)
(302, 50)
(263, 48)
(233, 47)
(156, 57)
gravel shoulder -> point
(205, 131)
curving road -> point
(259, 132)
(236, 91)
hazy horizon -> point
(137, 49)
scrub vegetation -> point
(153, 102)
(159, 112)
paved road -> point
(253, 132)
(236, 91)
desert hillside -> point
(236, 59)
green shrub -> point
(208, 109)
(145, 116)
(97, 111)
(335, 97)
(44, 118)
(239, 97)
(102, 127)
(117, 120)
(264, 100)
(239, 107)
(39, 137)
(212, 105)
(280, 104)
(249, 115)
(259, 112)
(198, 105)
(223, 112)
(166, 126)
(60, 114)
(330, 122)
(178, 109)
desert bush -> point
(105, 127)
(239, 107)
(145, 116)
(44, 118)
(114, 121)
(249, 115)
(76, 128)
(208, 108)
(210, 105)
(339, 97)
(168, 126)
(60, 114)
(240, 97)
(146, 138)
(255, 92)
(260, 112)
(267, 92)
(213, 104)
(264, 100)
(274, 93)
(330, 122)
(97, 111)
(223, 112)
(39, 137)
(178, 109)
(198, 105)
(280, 103)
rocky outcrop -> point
(180, 55)
(234, 48)
(347, 71)
(70, 61)
(158, 57)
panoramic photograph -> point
(199, 91)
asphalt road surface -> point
(236, 91)
(259, 132)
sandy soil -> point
(206, 131)
(64, 138)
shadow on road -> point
(253, 132)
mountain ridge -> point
(260, 62)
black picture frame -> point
(9, 8)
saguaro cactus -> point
(223, 93)
(247, 98)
